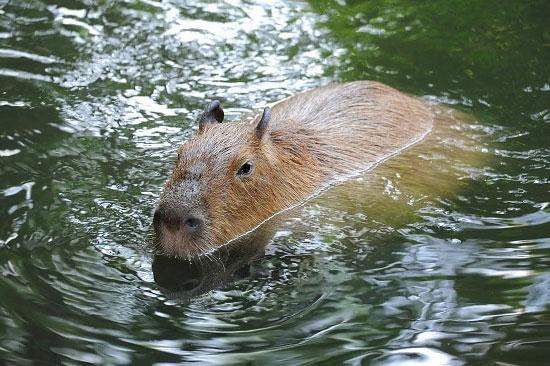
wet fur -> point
(312, 139)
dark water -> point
(96, 96)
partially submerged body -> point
(437, 169)
(369, 207)
(232, 176)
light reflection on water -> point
(439, 256)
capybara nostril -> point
(158, 216)
(168, 217)
(175, 219)
(193, 224)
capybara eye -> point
(246, 169)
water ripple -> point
(439, 256)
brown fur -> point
(312, 139)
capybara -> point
(232, 176)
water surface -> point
(441, 255)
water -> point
(442, 255)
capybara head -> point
(227, 179)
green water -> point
(95, 97)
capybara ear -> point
(261, 127)
(212, 114)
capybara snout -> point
(177, 219)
